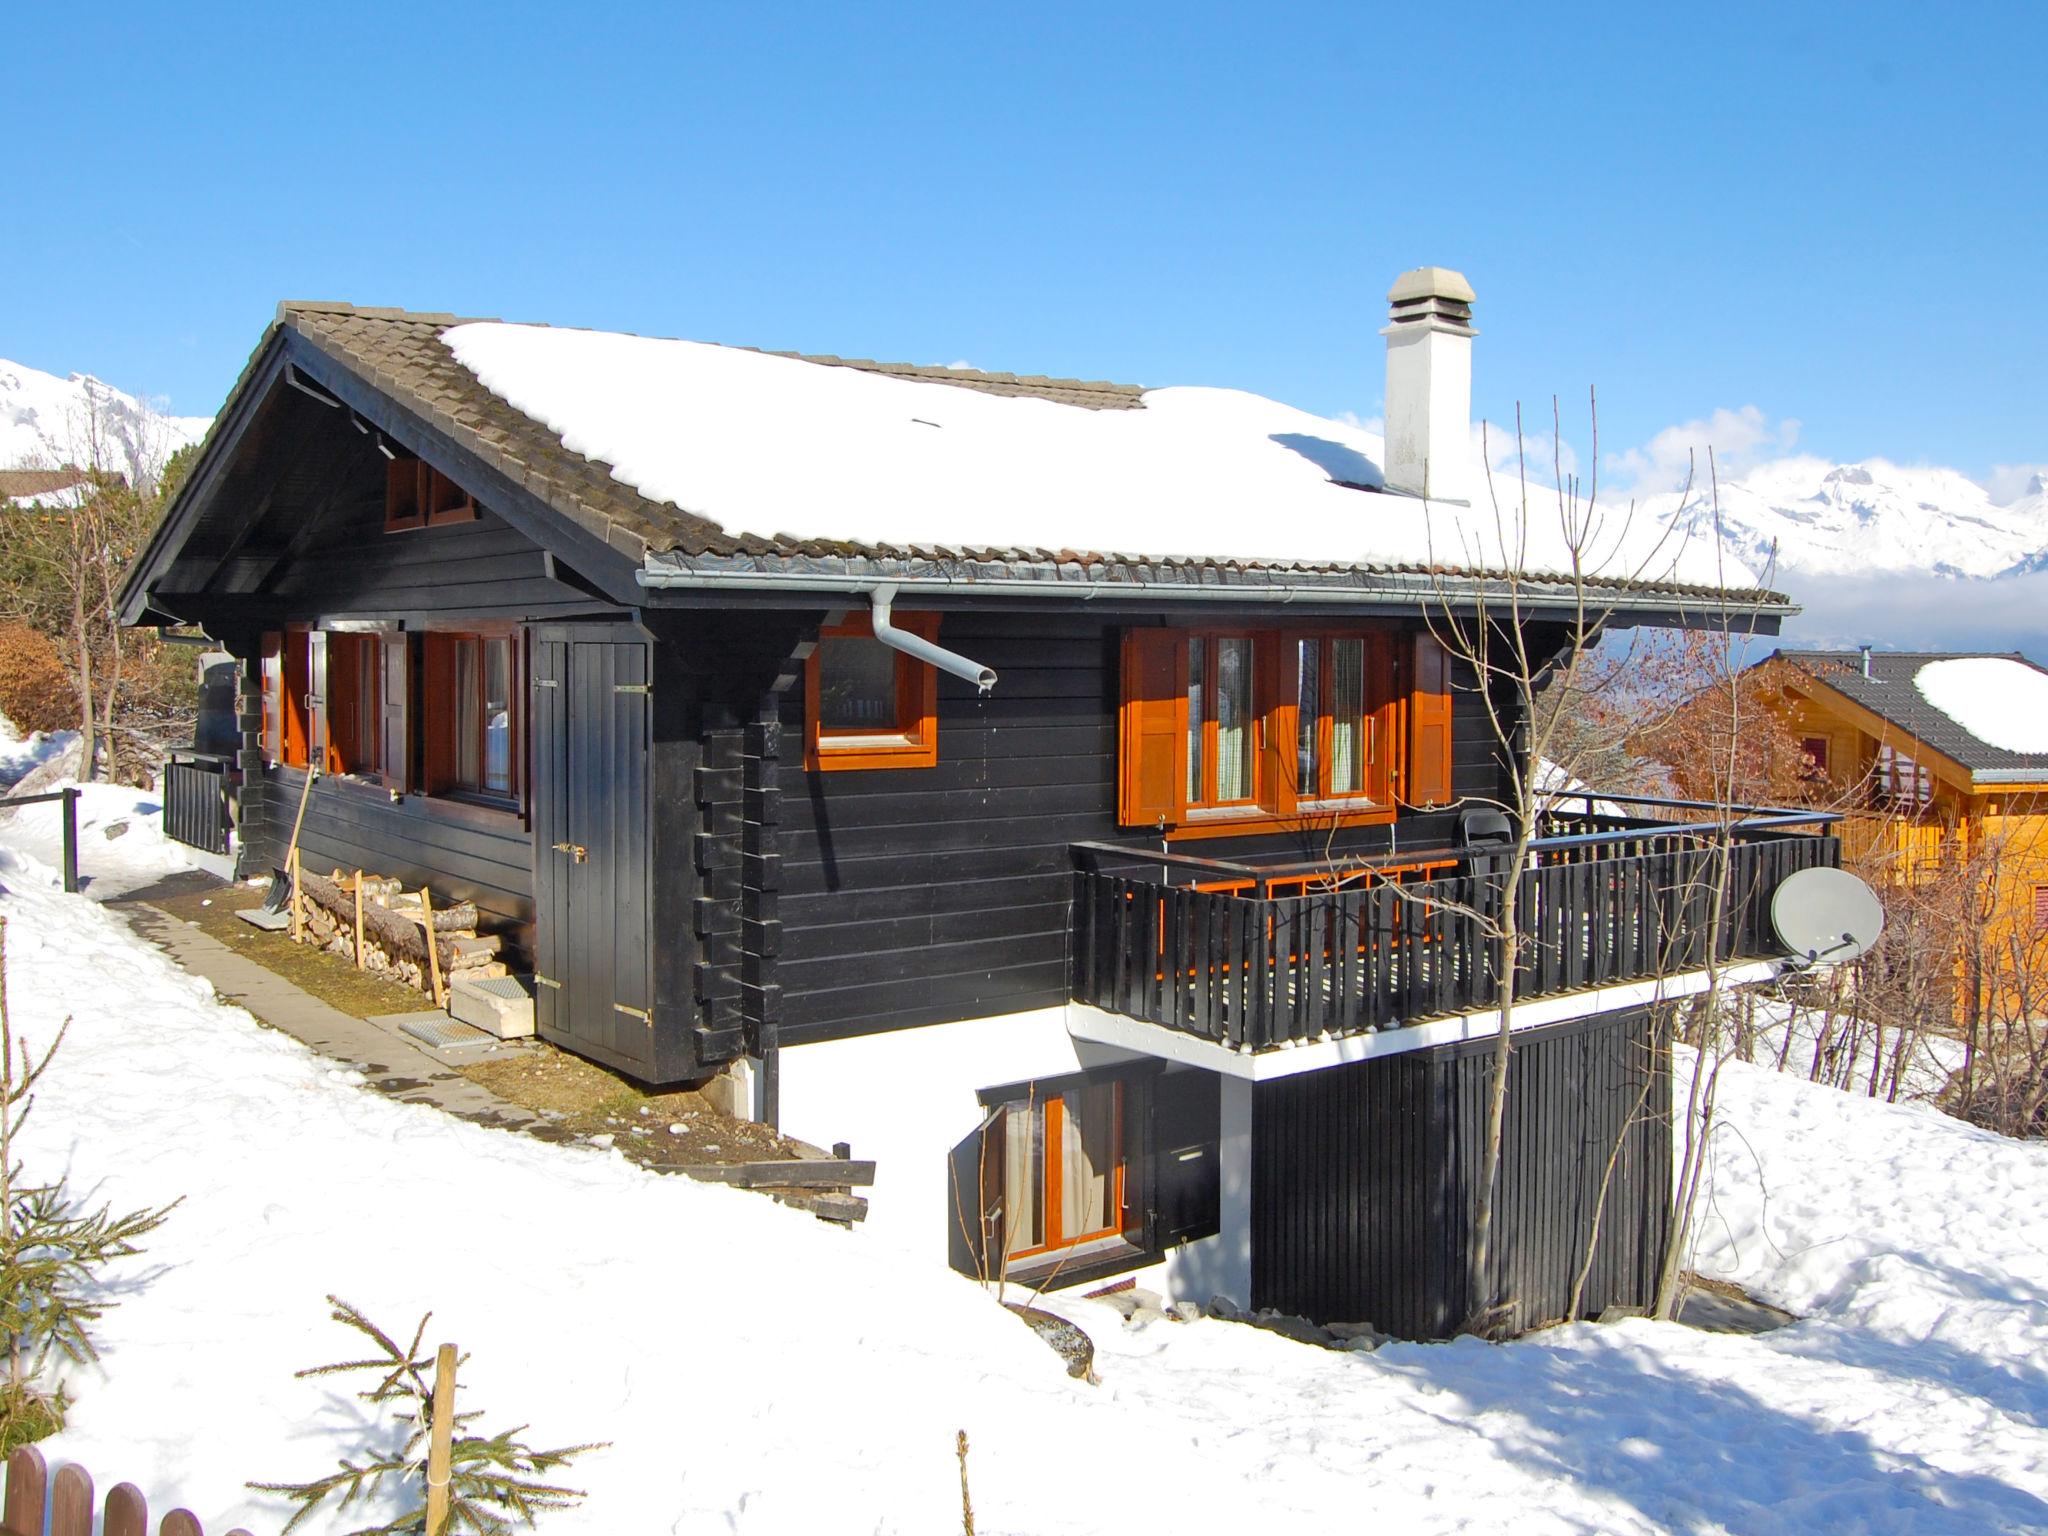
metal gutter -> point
(903, 640)
(1533, 595)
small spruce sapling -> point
(490, 1476)
(48, 1254)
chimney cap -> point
(1430, 283)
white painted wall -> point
(906, 1098)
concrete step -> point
(499, 1004)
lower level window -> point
(471, 722)
(1063, 1170)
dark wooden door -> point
(591, 833)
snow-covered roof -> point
(703, 464)
(1987, 712)
(781, 450)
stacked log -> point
(394, 931)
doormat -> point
(450, 1039)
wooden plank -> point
(28, 1486)
(71, 1502)
(816, 1173)
(182, 1522)
(127, 1512)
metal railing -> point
(70, 798)
(1225, 958)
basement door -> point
(591, 712)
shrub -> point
(35, 690)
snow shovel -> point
(281, 879)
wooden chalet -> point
(1055, 871)
(1927, 797)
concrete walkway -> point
(392, 1061)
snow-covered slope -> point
(47, 422)
(1860, 519)
(757, 1372)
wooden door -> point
(591, 832)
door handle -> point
(575, 851)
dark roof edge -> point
(997, 575)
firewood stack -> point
(393, 929)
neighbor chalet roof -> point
(756, 468)
(19, 484)
(1892, 693)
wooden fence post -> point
(433, 948)
(359, 919)
(71, 840)
(71, 1508)
(127, 1512)
(442, 1438)
(28, 1485)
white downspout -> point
(902, 640)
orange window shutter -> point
(271, 673)
(1429, 725)
(1150, 747)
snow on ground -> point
(22, 755)
(759, 443)
(121, 841)
(1995, 698)
(757, 1371)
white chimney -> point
(1429, 385)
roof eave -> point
(1141, 581)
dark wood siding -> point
(1364, 1179)
(353, 825)
(915, 896)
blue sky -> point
(1835, 214)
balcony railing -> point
(1254, 956)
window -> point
(355, 710)
(470, 722)
(1233, 727)
(417, 495)
(357, 702)
(1221, 753)
(1901, 779)
(1063, 1170)
(2041, 909)
(1813, 757)
(867, 705)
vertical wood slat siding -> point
(1256, 973)
(1363, 1180)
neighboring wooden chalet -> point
(1941, 760)
(1009, 775)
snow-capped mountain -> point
(48, 423)
(1871, 518)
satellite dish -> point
(1825, 916)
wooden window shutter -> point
(1429, 725)
(271, 672)
(396, 756)
(1150, 748)
(316, 714)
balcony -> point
(1256, 956)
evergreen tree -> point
(490, 1476)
